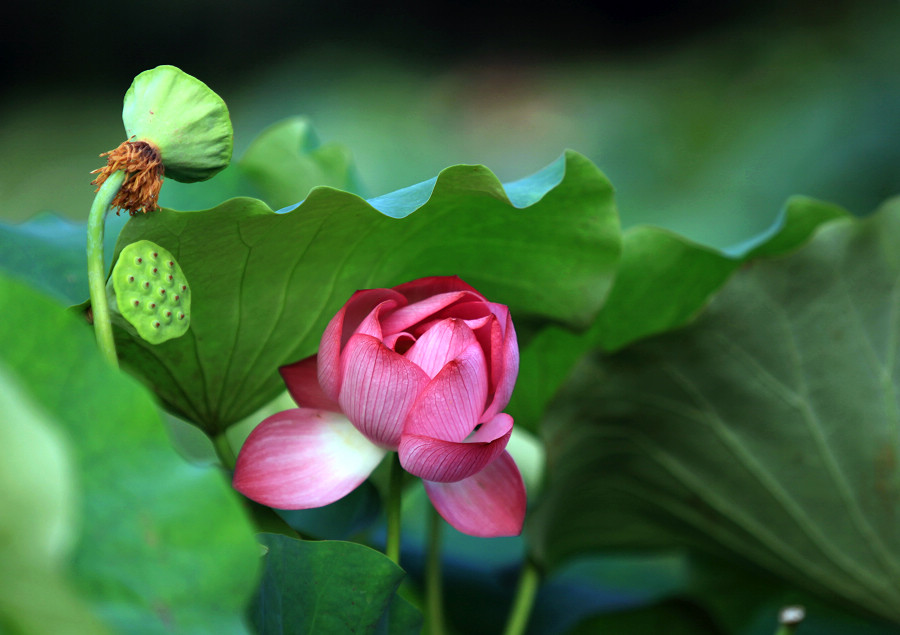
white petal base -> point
(304, 458)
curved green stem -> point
(395, 492)
(529, 581)
(96, 269)
(434, 592)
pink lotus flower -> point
(423, 369)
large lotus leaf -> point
(747, 601)
(163, 544)
(767, 431)
(38, 489)
(710, 596)
(329, 587)
(48, 252)
(264, 284)
(663, 281)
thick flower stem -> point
(96, 269)
(434, 591)
(529, 581)
(395, 493)
(224, 451)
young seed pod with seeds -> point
(141, 292)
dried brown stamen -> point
(143, 164)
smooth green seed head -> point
(181, 116)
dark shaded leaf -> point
(766, 432)
(673, 617)
(328, 587)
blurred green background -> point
(705, 117)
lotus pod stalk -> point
(175, 126)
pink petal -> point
(471, 309)
(378, 389)
(371, 324)
(445, 461)
(339, 330)
(400, 342)
(489, 504)
(302, 381)
(303, 458)
(444, 341)
(505, 362)
(423, 288)
(407, 316)
(452, 403)
(492, 325)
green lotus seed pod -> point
(151, 292)
(181, 116)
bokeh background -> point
(705, 115)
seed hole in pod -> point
(171, 263)
(153, 305)
(138, 260)
(156, 324)
(155, 270)
(168, 314)
(162, 292)
(155, 254)
(177, 298)
(171, 277)
(184, 287)
(137, 303)
(181, 316)
(130, 278)
(146, 285)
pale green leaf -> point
(162, 544)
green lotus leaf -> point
(47, 251)
(663, 282)
(265, 284)
(317, 587)
(39, 490)
(160, 546)
(181, 116)
(765, 432)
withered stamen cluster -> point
(140, 191)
